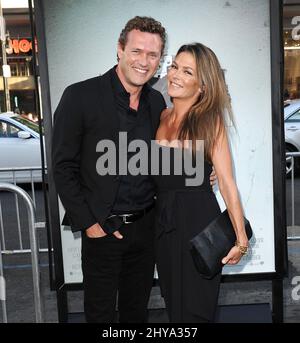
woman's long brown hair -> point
(206, 118)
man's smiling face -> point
(139, 59)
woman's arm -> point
(221, 159)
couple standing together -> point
(123, 233)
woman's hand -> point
(233, 257)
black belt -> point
(128, 218)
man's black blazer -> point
(85, 115)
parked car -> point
(292, 128)
(19, 147)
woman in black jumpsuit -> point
(195, 83)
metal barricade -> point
(34, 252)
(20, 175)
(290, 170)
(2, 289)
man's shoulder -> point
(156, 97)
(89, 84)
(154, 92)
(85, 84)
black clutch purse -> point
(213, 243)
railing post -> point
(294, 228)
(2, 289)
(293, 191)
(33, 246)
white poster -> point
(81, 41)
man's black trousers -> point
(124, 266)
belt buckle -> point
(124, 218)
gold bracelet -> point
(242, 248)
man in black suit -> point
(114, 212)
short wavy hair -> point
(143, 24)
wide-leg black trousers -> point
(182, 214)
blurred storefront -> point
(19, 53)
(19, 56)
(291, 39)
